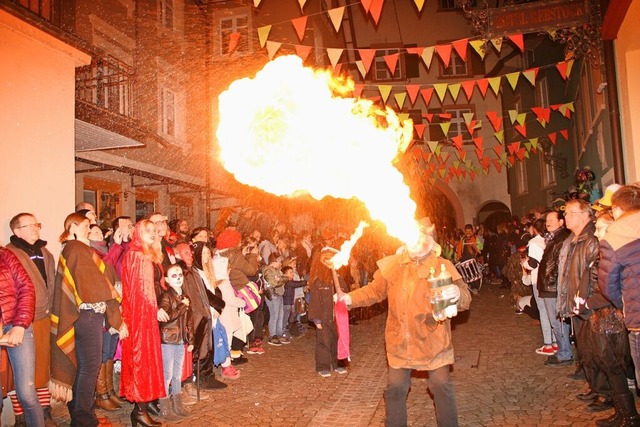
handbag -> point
(251, 296)
(301, 305)
(170, 333)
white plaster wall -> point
(628, 65)
(37, 101)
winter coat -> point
(194, 289)
(275, 279)
(619, 269)
(548, 268)
(240, 266)
(17, 293)
(321, 300)
(414, 340)
(290, 290)
(579, 275)
(179, 315)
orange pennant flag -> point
(497, 165)
(521, 153)
(357, 90)
(468, 86)
(512, 160)
(419, 129)
(300, 25)
(562, 69)
(366, 5)
(272, 48)
(565, 133)
(483, 85)
(518, 40)
(462, 154)
(426, 95)
(303, 51)
(367, 56)
(522, 129)
(478, 142)
(415, 50)
(513, 147)
(412, 91)
(479, 153)
(498, 149)
(444, 51)
(376, 9)
(553, 137)
(471, 126)
(495, 120)
(392, 62)
(460, 47)
(419, 4)
(486, 163)
(234, 38)
(542, 114)
(428, 116)
(457, 141)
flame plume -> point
(292, 130)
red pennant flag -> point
(517, 39)
(513, 147)
(457, 141)
(357, 90)
(497, 165)
(553, 137)
(234, 38)
(520, 153)
(300, 25)
(415, 50)
(367, 55)
(419, 129)
(376, 9)
(303, 52)
(460, 47)
(471, 126)
(542, 114)
(445, 116)
(512, 160)
(468, 86)
(391, 61)
(483, 85)
(480, 154)
(472, 175)
(565, 133)
(428, 116)
(478, 142)
(426, 95)
(426, 156)
(444, 51)
(522, 129)
(412, 91)
(555, 107)
(498, 149)
(366, 4)
(496, 121)
(562, 69)
(462, 154)
(486, 163)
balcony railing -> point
(108, 84)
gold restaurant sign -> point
(537, 16)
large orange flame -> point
(290, 130)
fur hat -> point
(228, 239)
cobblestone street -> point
(499, 379)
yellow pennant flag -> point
(497, 43)
(263, 33)
(336, 17)
(521, 118)
(403, 116)
(468, 117)
(301, 3)
(256, 3)
(334, 55)
(361, 68)
(445, 128)
(400, 97)
(513, 79)
(513, 115)
(494, 82)
(531, 75)
(569, 67)
(419, 4)
(479, 47)
(272, 48)
(454, 90)
(427, 56)
(441, 90)
(385, 90)
(534, 142)
(500, 136)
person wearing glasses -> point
(40, 264)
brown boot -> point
(102, 397)
(110, 389)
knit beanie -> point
(228, 239)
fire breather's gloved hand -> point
(342, 297)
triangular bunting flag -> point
(441, 90)
(569, 67)
(419, 128)
(336, 15)
(445, 116)
(391, 61)
(444, 51)
(460, 47)
(494, 82)
(542, 115)
(518, 40)
(564, 133)
(433, 146)
(521, 118)
(357, 90)
(471, 126)
(527, 145)
(512, 160)
(428, 116)
(483, 85)
(427, 156)
(412, 91)
(400, 97)
(513, 147)
(479, 153)
(415, 50)
(303, 52)
(513, 115)
(486, 163)
(478, 142)
(376, 9)
(534, 143)
(445, 128)
(454, 90)
(300, 25)
(256, 3)
(553, 137)
(521, 153)
(479, 47)
(522, 129)
(263, 33)
(367, 56)
(462, 154)
(427, 56)
(426, 95)
(457, 141)
(497, 165)
(403, 116)
(334, 55)
(562, 69)
(499, 136)
(531, 75)
(419, 4)
(366, 4)
(233, 42)
(468, 86)
(497, 43)
(272, 48)
(385, 90)
(498, 149)
(468, 117)
(444, 157)
(495, 120)
(361, 69)
(512, 78)
(302, 3)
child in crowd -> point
(174, 334)
(290, 287)
(275, 281)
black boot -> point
(139, 415)
(630, 417)
(615, 419)
(153, 407)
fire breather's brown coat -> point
(414, 340)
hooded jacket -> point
(17, 294)
(619, 272)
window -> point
(457, 67)
(235, 24)
(529, 58)
(547, 171)
(381, 69)
(168, 109)
(542, 93)
(458, 126)
(522, 186)
(166, 13)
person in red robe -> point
(141, 378)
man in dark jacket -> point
(548, 284)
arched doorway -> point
(493, 213)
